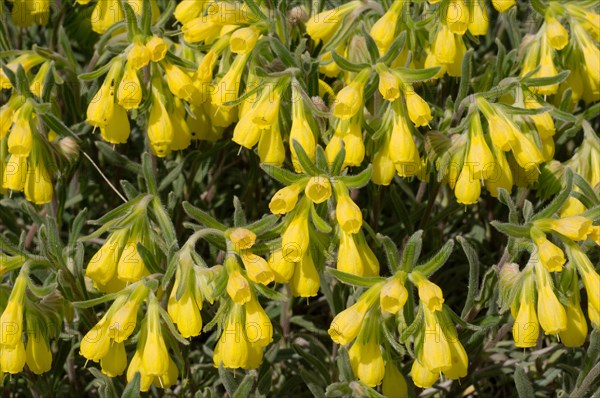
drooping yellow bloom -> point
(270, 146)
(180, 83)
(458, 16)
(347, 213)
(188, 10)
(323, 26)
(383, 30)
(241, 238)
(394, 383)
(103, 265)
(421, 376)
(20, 139)
(503, 5)
(38, 185)
(11, 333)
(499, 175)
(155, 357)
(393, 295)
(526, 328)
(575, 228)
(122, 322)
(346, 325)
(243, 40)
(318, 189)
(444, 47)
(283, 270)
(479, 23)
(365, 355)
(454, 68)
(591, 280)
(551, 314)
(238, 287)
(37, 84)
(257, 268)
(349, 100)
(101, 107)
(285, 199)
(479, 156)
(160, 127)
(38, 354)
(129, 93)
(114, 363)
(557, 35)
(13, 358)
(182, 136)
(232, 349)
(437, 356)
(429, 293)
(389, 85)
(550, 255)
(138, 56)
(419, 111)
(295, 238)
(402, 148)
(158, 47)
(305, 281)
(572, 207)
(383, 166)
(105, 14)
(259, 329)
(468, 188)
(117, 129)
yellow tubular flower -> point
(575, 331)
(354, 144)
(550, 255)
(389, 85)
(255, 356)
(38, 185)
(575, 228)
(460, 360)
(160, 127)
(479, 24)
(323, 26)
(238, 287)
(189, 320)
(136, 366)
(200, 29)
(96, 343)
(368, 257)
(285, 199)
(527, 154)
(454, 68)
(283, 270)
(499, 174)
(246, 133)
(301, 132)
(419, 111)
(188, 10)
(295, 238)
(347, 213)
(232, 349)
(349, 100)
(403, 150)
(13, 358)
(349, 258)
(114, 363)
(393, 295)
(503, 5)
(270, 146)
(117, 129)
(129, 93)
(429, 293)
(305, 281)
(257, 268)
(346, 325)
(547, 69)
(12, 316)
(259, 329)
(551, 314)
(158, 47)
(526, 328)
(437, 356)
(243, 40)
(394, 383)
(556, 33)
(138, 56)
(105, 14)
(131, 267)
(468, 188)
(431, 62)
(38, 354)
(479, 156)
(572, 207)
(458, 16)
(444, 47)
(383, 30)
(20, 139)
(365, 357)
(383, 166)
(103, 265)
(421, 376)
(155, 357)
(182, 136)
(591, 280)
(122, 323)
(180, 83)
(318, 189)
(241, 238)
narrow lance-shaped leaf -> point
(202, 217)
(391, 252)
(473, 260)
(412, 251)
(354, 280)
(437, 260)
(560, 199)
(359, 180)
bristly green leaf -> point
(546, 81)
(245, 387)
(560, 199)
(354, 280)
(417, 75)
(146, 12)
(132, 22)
(465, 78)
(504, 197)
(473, 260)
(284, 176)
(524, 387)
(319, 223)
(263, 225)
(391, 253)
(229, 382)
(305, 163)
(359, 180)
(412, 251)
(148, 173)
(513, 230)
(202, 217)
(437, 260)
(338, 161)
(148, 258)
(371, 46)
(394, 50)
(132, 390)
(239, 216)
(346, 65)
(321, 159)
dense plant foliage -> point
(293, 198)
